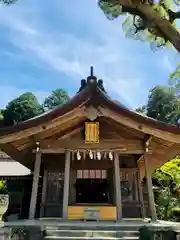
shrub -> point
(3, 187)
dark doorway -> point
(92, 191)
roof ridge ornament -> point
(91, 71)
(92, 81)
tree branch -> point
(164, 27)
(173, 15)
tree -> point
(21, 109)
(153, 20)
(1, 115)
(141, 110)
(8, 2)
(167, 178)
(163, 104)
(174, 80)
(58, 97)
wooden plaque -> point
(92, 132)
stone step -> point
(90, 233)
(95, 226)
(91, 238)
(56, 233)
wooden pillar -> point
(117, 186)
(72, 189)
(151, 201)
(140, 193)
(135, 179)
(66, 185)
(35, 184)
(44, 189)
(110, 182)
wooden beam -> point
(48, 135)
(13, 152)
(69, 131)
(162, 142)
(147, 143)
(76, 113)
(74, 144)
(61, 129)
(63, 150)
(123, 131)
(141, 158)
(141, 127)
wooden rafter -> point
(70, 131)
(60, 129)
(128, 146)
(123, 130)
(27, 142)
(140, 127)
(76, 113)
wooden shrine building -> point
(89, 156)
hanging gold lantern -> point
(92, 132)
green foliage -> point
(57, 98)
(167, 196)
(3, 187)
(174, 79)
(1, 115)
(21, 109)
(136, 25)
(165, 203)
(141, 110)
(163, 104)
(111, 8)
(168, 174)
(175, 214)
(27, 106)
(8, 2)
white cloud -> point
(167, 64)
(65, 52)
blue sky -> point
(49, 44)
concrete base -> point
(125, 223)
(59, 229)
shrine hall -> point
(91, 158)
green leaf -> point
(57, 98)
(22, 108)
